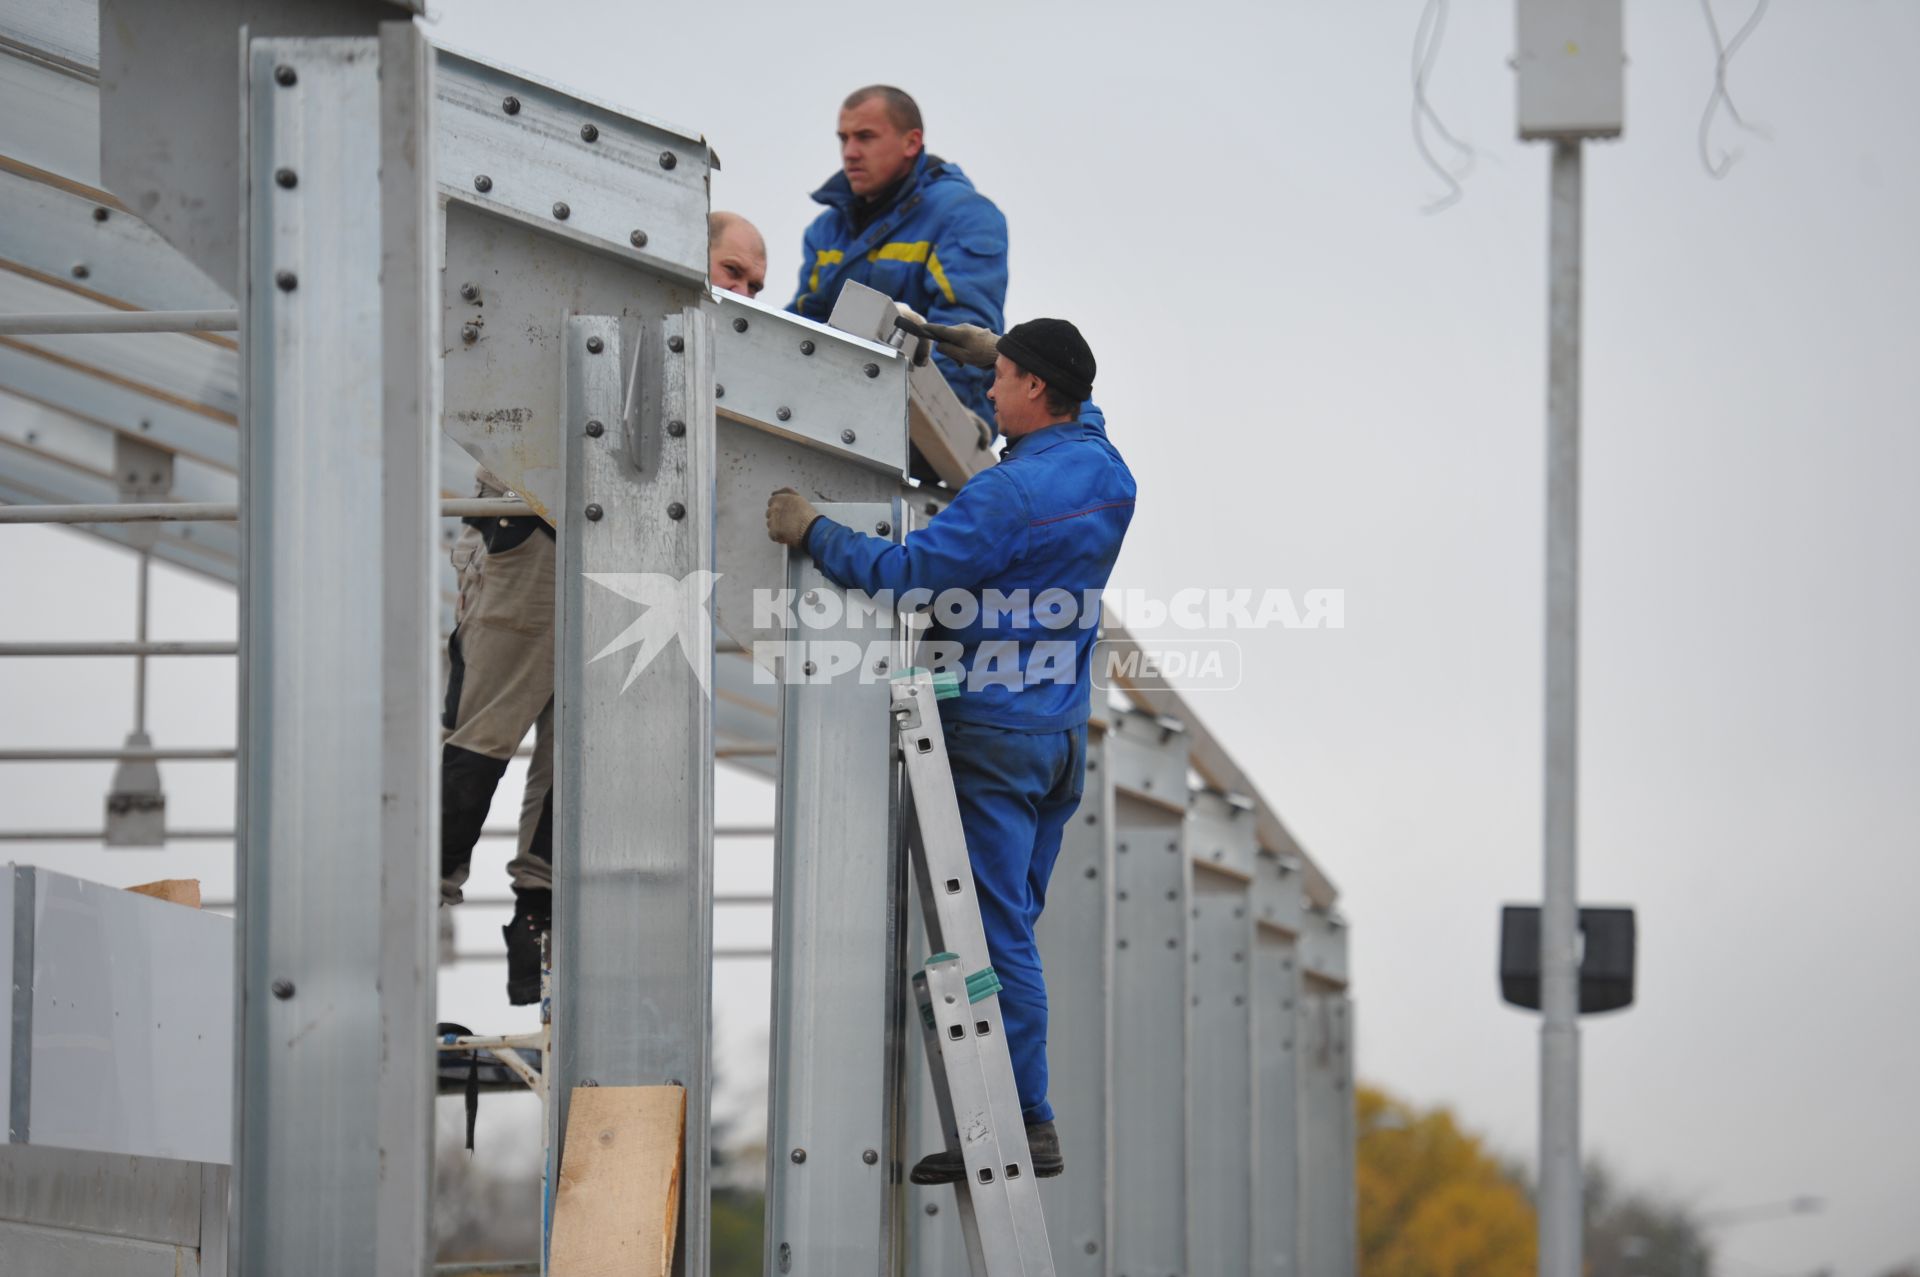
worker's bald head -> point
(736, 254)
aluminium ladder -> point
(958, 996)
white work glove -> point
(967, 344)
(789, 515)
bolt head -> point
(883, 528)
(469, 334)
(283, 989)
(676, 428)
(739, 325)
(798, 1156)
(668, 159)
(510, 104)
(81, 270)
(676, 344)
(560, 211)
(806, 347)
(847, 436)
(285, 178)
(719, 391)
(588, 133)
(100, 214)
(808, 668)
(482, 183)
(595, 345)
(595, 429)
(286, 280)
(676, 511)
(873, 370)
(469, 293)
(784, 414)
(933, 1208)
(1092, 872)
(638, 239)
(593, 512)
(285, 76)
(880, 666)
(870, 1156)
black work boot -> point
(948, 1167)
(532, 920)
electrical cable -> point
(1723, 57)
(1426, 50)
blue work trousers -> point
(1017, 791)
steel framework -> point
(425, 240)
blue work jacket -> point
(940, 247)
(1044, 524)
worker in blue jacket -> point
(909, 224)
(1029, 543)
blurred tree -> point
(1432, 1201)
(1635, 1234)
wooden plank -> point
(179, 891)
(618, 1206)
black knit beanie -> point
(1054, 351)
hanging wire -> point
(1426, 50)
(1723, 52)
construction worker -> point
(1047, 521)
(500, 674)
(909, 224)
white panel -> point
(1572, 68)
(132, 1024)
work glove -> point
(907, 312)
(789, 515)
(968, 344)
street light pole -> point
(1560, 1170)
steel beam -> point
(98, 249)
(833, 1165)
(120, 321)
(633, 781)
(339, 790)
(572, 168)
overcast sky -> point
(1320, 386)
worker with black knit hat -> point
(1041, 528)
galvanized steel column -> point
(1278, 901)
(1076, 952)
(633, 776)
(1325, 1043)
(338, 804)
(833, 1162)
(1220, 1206)
(1148, 757)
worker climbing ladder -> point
(959, 1000)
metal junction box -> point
(1571, 65)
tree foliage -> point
(1432, 1201)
